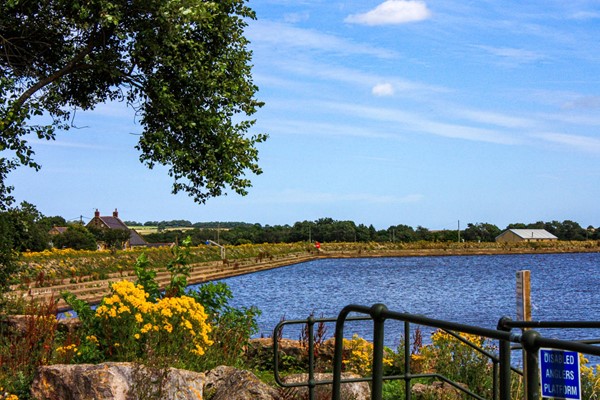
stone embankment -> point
(92, 291)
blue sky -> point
(380, 112)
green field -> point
(146, 230)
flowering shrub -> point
(126, 326)
(451, 357)
(360, 356)
(590, 379)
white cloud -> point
(383, 89)
(392, 12)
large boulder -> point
(115, 381)
(228, 383)
(350, 390)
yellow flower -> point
(146, 328)
(92, 339)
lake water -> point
(474, 290)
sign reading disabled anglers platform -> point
(559, 372)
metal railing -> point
(530, 341)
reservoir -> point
(475, 290)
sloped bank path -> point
(94, 291)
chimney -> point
(116, 213)
(97, 214)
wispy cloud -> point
(276, 35)
(67, 144)
(416, 122)
(392, 12)
(583, 102)
(513, 56)
(303, 127)
(577, 142)
(306, 197)
(493, 118)
(341, 74)
(293, 18)
(585, 15)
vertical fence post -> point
(531, 347)
(407, 355)
(504, 356)
(378, 333)
(310, 323)
(338, 354)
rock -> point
(437, 390)
(20, 325)
(260, 353)
(228, 383)
(115, 381)
(15, 324)
(351, 390)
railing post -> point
(531, 347)
(407, 371)
(338, 354)
(310, 323)
(504, 356)
(378, 333)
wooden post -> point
(524, 309)
(524, 295)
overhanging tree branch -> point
(67, 69)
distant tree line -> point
(24, 228)
(330, 230)
(182, 223)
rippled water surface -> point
(475, 290)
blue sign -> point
(559, 373)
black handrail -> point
(530, 340)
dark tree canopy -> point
(76, 237)
(183, 65)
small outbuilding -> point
(525, 235)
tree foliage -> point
(27, 228)
(113, 239)
(183, 65)
(22, 228)
(76, 237)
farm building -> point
(525, 235)
(114, 222)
